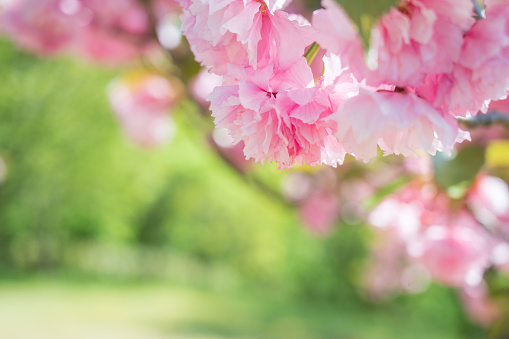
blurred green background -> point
(102, 239)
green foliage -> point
(459, 170)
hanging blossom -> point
(399, 123)
(407, 47)
(245, 33)
(280, 115)
(482, 73)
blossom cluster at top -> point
(429, 61)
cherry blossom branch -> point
(204, 115)
(489, 119)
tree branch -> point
(484, 120)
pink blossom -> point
(98, 45)
(354, 194)
(338, 35)
(479, 306)
(40, 25)
(245, 33)
(203, 84)
(482, 72)
(121, 16)
(499, 106)
(489, 200)
(412, 39)
(454, 248)
(400, 123)
(419, 37)
(115, 31)
(280, 116)
(456, 253)
(397, 216)
(391, 271)
(141, 102)
(320, 211)
(381, 279)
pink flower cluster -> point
(423, 235)
(429, 62)
(104, 31)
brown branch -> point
(484, 120)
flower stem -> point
(312, 52)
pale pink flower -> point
(142, 102)
(400, 123)
(245, 33)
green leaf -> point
(365, 14)
(456, 172)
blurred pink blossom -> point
(142, 102)
(456, 254)
(203, 84)
(478, 304)
(489, 201)
(42, 26)
(320, 211)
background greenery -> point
(113, 240)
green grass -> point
(55, 308)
